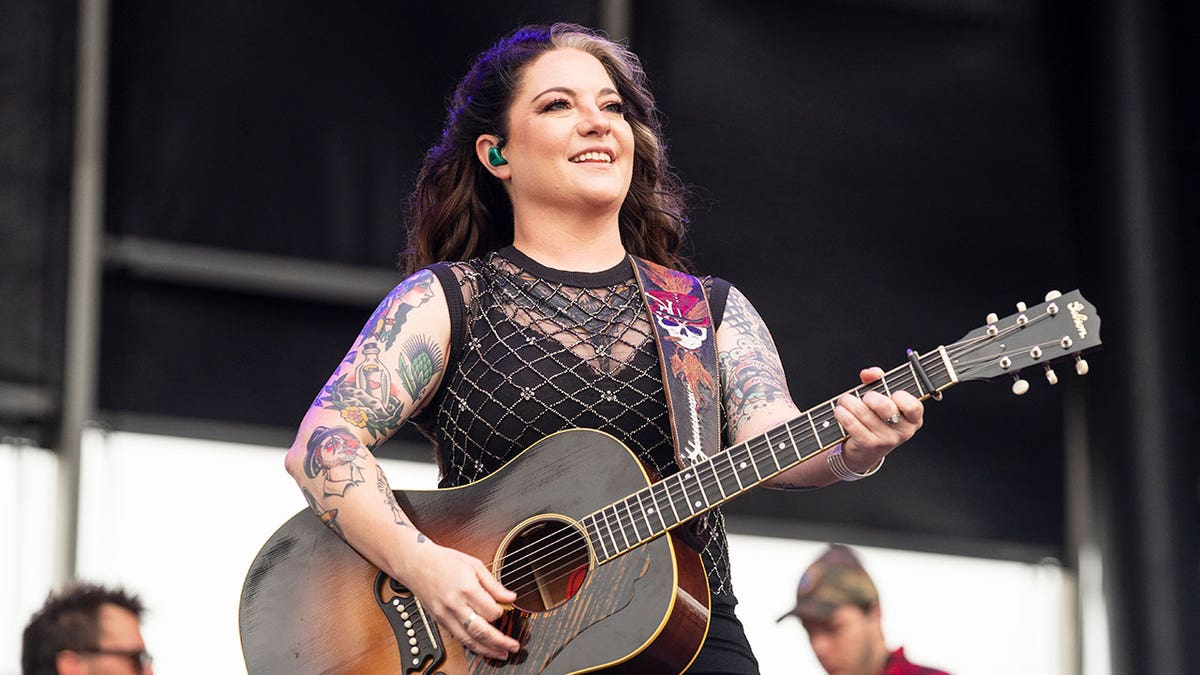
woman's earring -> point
(495, 158)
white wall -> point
(963, 615)
(178, 521)
(27, 484)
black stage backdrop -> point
(37, 84)
(876, 176)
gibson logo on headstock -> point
(1079, 318)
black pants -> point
(726, 650)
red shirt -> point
(898, 665)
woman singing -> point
(521, 317)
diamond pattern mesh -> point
(550, 351)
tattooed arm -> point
(393, 368)
(755, 394)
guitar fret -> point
(670, 499)
(712, 466)
(744, 461)
(657, 507)
(841, 429)
(795, 446)
(654, 490)
(771, 446)
(683, 494)
(827, 420)
(683, 476)
(753, 465)
(632, 521)
(621, 525)
(595, 537)
(645, 513)
(764, 464)
(886, 389)
(816, 433)
(916, 381)
(681, 490)
(810, 444)
(637, 516)
(704, 501)
(609, 549)
(734, 471)
(608, 524)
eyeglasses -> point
(140, 658)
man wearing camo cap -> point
(838, 605)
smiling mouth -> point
(601, 157)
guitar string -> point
(554, 542)
(820, 416)
(624, 525)
(565, 536)
(621, 523)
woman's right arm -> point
(393, 369)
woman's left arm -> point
(756, 398)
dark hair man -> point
(86, 630)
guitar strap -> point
(687, 351)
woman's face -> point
(568, 143)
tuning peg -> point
(1021, 318)
(992, 318)
(1053, 295)
(1051, 376)
(991, 324)
(1081, 365)
(1019, 386)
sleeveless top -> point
(534, 350)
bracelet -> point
(837, 464)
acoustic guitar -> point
(575, 526)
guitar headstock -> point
(1064, 325)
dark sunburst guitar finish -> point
(313, 605)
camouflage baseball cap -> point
(833, 580)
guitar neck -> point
(697, 489)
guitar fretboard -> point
(678, 498)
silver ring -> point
(893, 419)
(467, 621)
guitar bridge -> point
(417, 637)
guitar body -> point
(311, 604)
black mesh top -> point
(535, 350)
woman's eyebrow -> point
(571, 92)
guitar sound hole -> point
(545, 564)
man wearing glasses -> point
(86, 630)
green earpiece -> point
(495, 158)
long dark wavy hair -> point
(459, 210)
